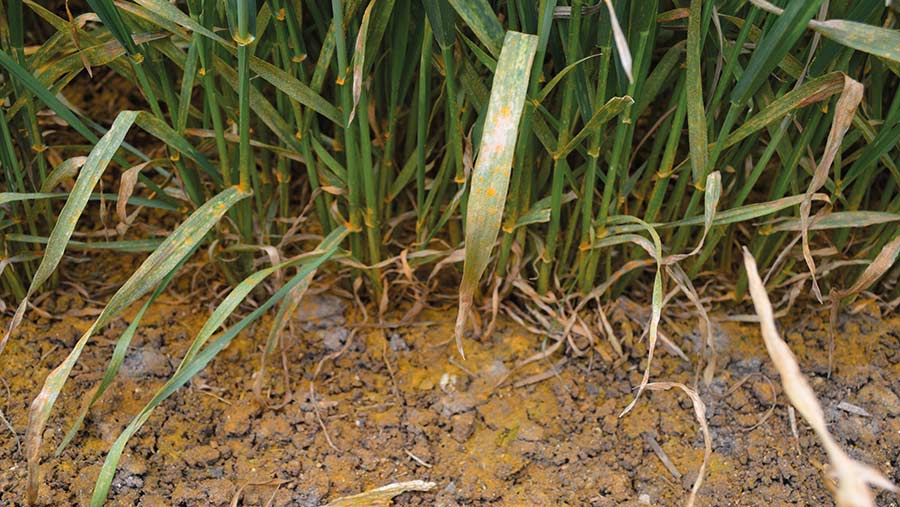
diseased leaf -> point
(846, 106)
(653, 248)
(490, 178)
(875, 40)
(875, 270)
(621, 41)
(21, 75)
(180, 244)
(125, 245)
(603, 114)
(294, 88)
(480, 17)
(359, 59)
(810, 92)
(776, 43)
(712, 193)
(172, 13)
(68, 169)
(696, 115)
(196, 359)
(840, 220)
(90, 174)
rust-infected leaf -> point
(201, 352)
(179, 244)
(90, 174)
(491, 175)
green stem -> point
(454, 130)
(559, 165)
(422, 127)
(350, 146)
(372, 218)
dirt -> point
(394, 407)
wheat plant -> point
(546, 153)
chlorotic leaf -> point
(490, 179)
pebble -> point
(318, 311)
(236, 422)
(201, 455)
(397, 343)
(334, 338)
(147, 362)
(463, 425)
(874, 394)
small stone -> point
(747, 366)
(457, 403)
(448, 383)
(318, 311)
(133, 464)
(201, 455)
(218, 491)
(125, 480)
(496, 369)
(763, 392)
(737, 400)
(610, 423)
(146, 362)
(463, 426)
(397, 343)
(875, 394)
(509, 464)
(688, 480)
(236, 422)
(334, 338)
(273, 425)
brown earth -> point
(396, 408)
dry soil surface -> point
(397, 405)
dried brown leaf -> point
(853, 477)
(381, 497)
(850, 98)
(700, 414)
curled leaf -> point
(849, 100)
(853, 477)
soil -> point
(398, 405)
